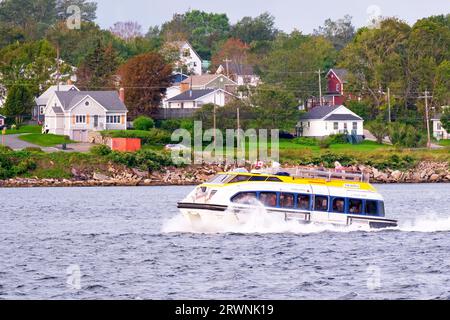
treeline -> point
(408, 60)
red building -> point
(336, 82)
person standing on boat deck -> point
(338, 167)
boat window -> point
(321, 203)
(303, 202)
(274, 179)
(258, 178)
(286, 200)
(381, 211)
(339, 205)
(244, 198)
(355, 206)
(268, 199)
(372, 207)
(239, 178)
(219, 179)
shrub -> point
(100, 150)
(153, 136)
(33, 149)
(170, 125)
(337, 139)
(144, 159)
(324, 144)
(306, 141)
(378, 129)
(143, 123)
(405, 135)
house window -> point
(336, 125)
(309, 124)
(112, 119)
(355, 125)
(41, 110)
(80, 119)
(439, 126)
(186, 53)
(345, 126)
(86, 103)
(338, 87)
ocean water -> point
(131, 243)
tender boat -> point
(307, 196)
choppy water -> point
(128, 243)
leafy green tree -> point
(202, 29)
(88, 9)
(376, 60)
(405, 135)
(293, 66)
(339, 32)
(445, 120)
(275, 108)
(30, 62)
(143, 123)
(18, 103)
(260, 28)
(379, 129)
(98, 69)
(32, 17)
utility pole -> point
(320, 87)
(238, 128)
(57, 68)
(427, 116)
(389, 103)
(226, 63)
(214, 122)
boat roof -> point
(326, 179)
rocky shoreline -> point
(424, 172)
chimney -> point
(69, 82)
(122, 95)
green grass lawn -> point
(445, 142)
(25, 129)
(45, 140)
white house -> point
(192, 99)
(438, 131)
(242, 74)
(323, 121)
(188, 57)
(76, 113)
(42, 100)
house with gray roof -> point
(41, 101)
(439, 131)
(323, 121)
(77, 113)
(192, 99)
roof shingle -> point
(108, 99)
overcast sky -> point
(289, 14)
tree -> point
(18, 103)
(202, 29)
(98, 69)
(379, 129)
(339, 32)
(33, 63)
(293, 64)
(127, 31)
(32, 17)
(261, 28)
(405, 135)
(234, 50)
(445, 120)
(143, 123)
(376, 60)
(88, 9)
(145, 79)
(275, 108)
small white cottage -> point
(324, 121)
(76, 113)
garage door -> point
(80, 135)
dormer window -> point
(186, 53)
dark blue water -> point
(126, 244)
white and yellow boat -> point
(303, 195)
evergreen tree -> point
(18, 102)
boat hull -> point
(218, 214)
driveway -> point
(15, 143)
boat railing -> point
(322, 174)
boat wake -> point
(262, 222)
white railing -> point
(321, 174)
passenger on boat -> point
(355, 208)
(303, 202)
(338, 205)
(269, 199)
(287, 200)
